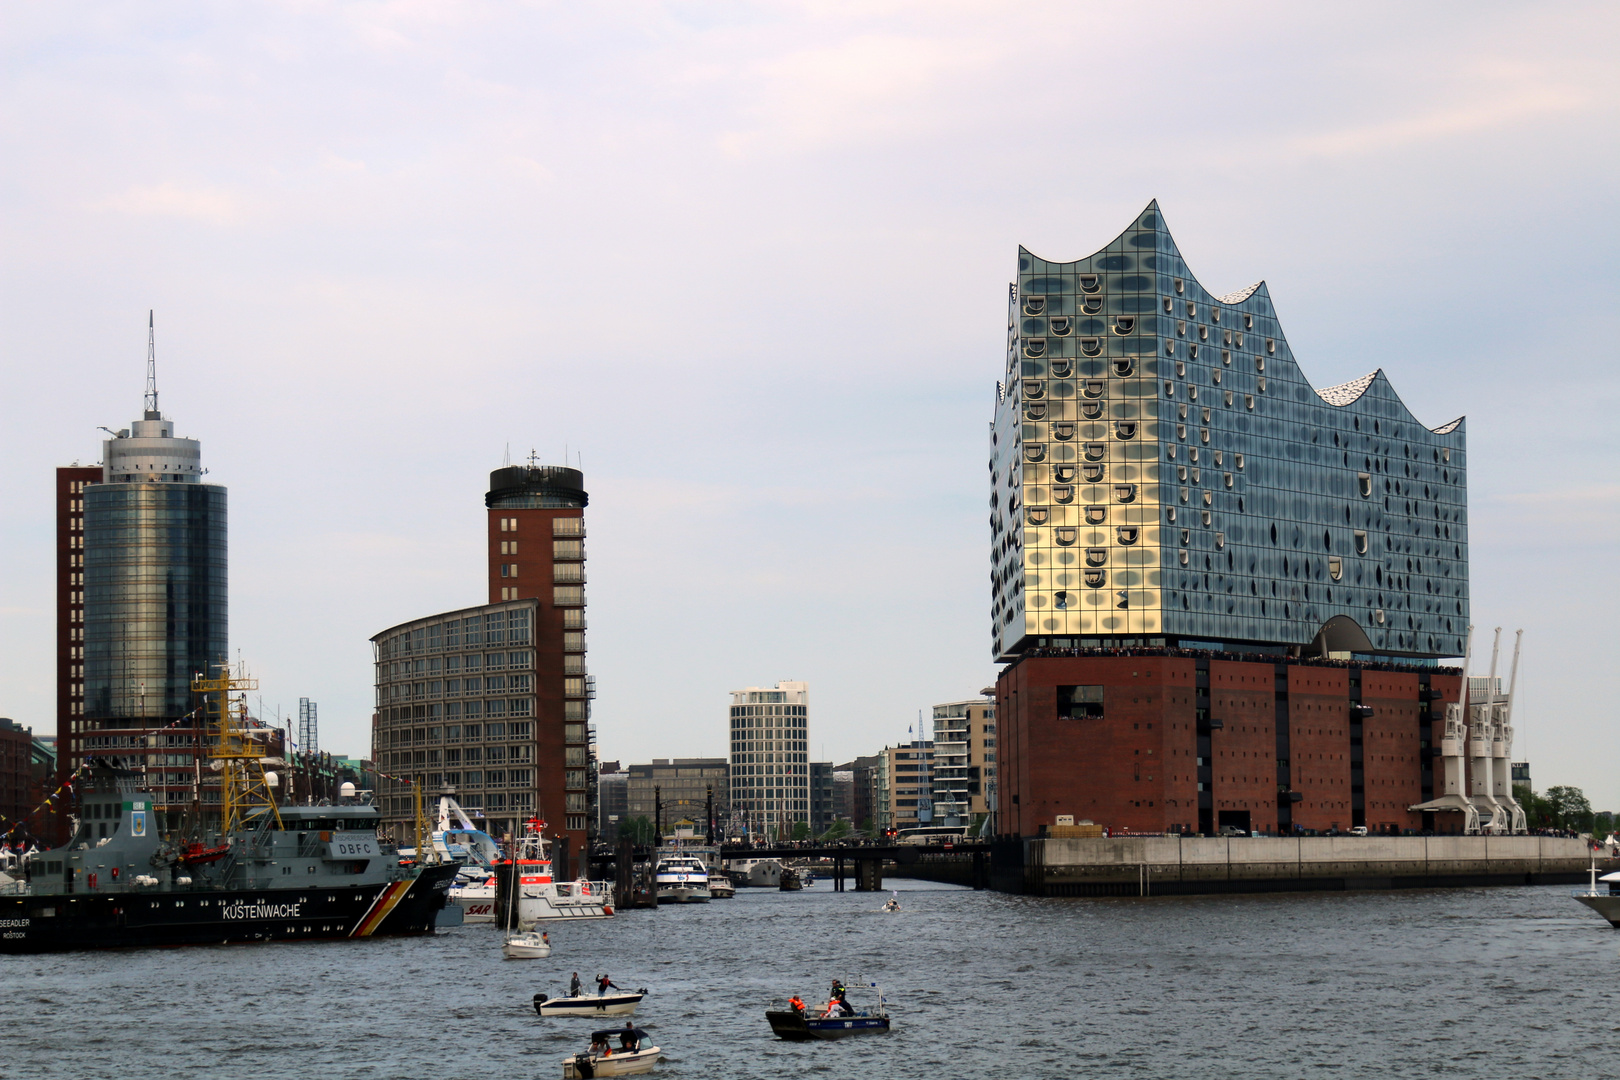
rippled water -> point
(1513, 983)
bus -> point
(934, 834)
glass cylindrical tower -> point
(155, 578)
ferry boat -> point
(541, 899)
(754, 873)
(720, 886)
(681, 879)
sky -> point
(746, 265)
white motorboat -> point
(619, 1003)
(681, 879)
(622, 1051)
(529, 946)
(720, 886)
(755, 873)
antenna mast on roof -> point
(151, 370)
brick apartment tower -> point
(70, 484)
(537, 551)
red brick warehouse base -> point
(1169, 741)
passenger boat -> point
(754, 873)
(681, 879)
(1606, 904)
(720, 886)
(622, 1003)
(622, 1051)
(833, 1022)
(292, 873)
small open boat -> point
(620, 1004)
(839, 1020)
(622, 1051)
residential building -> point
(904, 784)
(822, 811)
(1220, 594)
(493, 701)
(676, 790)
(964, 759)
(770, 759)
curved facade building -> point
(155, 588)
(1220, 592)
(1163, 474)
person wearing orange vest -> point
(797, 1004)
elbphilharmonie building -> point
(1163, 473)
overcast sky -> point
(749, 262)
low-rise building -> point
(964, 759)
(822, 813)
(677, 789)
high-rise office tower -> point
(770, 759)
(154, 599)
(494, 701)
(1164, 479)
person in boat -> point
(797, 1004)
(573, 985)
(545, 938)
(599, 1047)
(603, 983)
(627, 1039)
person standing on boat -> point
(573, 986)
(602, 984)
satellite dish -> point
(271, 780)
(346, 791)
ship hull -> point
(129, 920)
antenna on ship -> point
(152, 412)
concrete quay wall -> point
(1151, 865)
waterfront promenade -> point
(1164, 865)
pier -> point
(957, 864)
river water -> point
(1512, 982)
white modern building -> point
(770, 757)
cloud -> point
(1505, 111)
(212, 204)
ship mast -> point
(243, 787)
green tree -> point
(1570, 808)
(866, 827)
(638, 829)
(1537, 815)
(801, 830)
(840, 828)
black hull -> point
(797, 1027)
(62, 923)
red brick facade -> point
(1183, 743)
(522, 545)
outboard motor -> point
(539, 1000)
(583, 1066)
